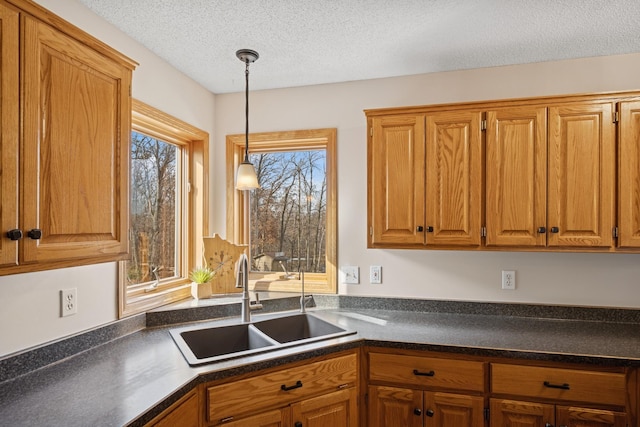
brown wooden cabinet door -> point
(186, 414)
(514, 413)
(337, 409)
(453, 410)
(9, 132)
(516, 177)
(568, 416)
(275, 418)
(75, 155)
(396, 200)
(581, 198)
(629, 174)
(454, 178)
(395, 407)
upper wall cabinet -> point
(542, 175)
(65, 144)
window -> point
(168, 160)
(289, 223)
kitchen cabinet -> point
(516, 177)
(402, 407)
(419, 390)
(437, 158)
(581, 199)
(558, 396)
(319, 393)
(547, 174)
(184, 413)
(397, 173)
(629, 174)
(70, 203)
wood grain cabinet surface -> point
(551, 174)
(67, 144)
(415, 390)
(324, 392)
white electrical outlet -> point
(375, 274)
(350, 274)
(68, 302)
(508, 279)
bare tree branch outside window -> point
(153, 210)
(288, 212)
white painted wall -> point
(574, 279)
(29, 315)
(30, 309)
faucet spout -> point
(242, 281)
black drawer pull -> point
(564, 386)
(423, 374)
(298, 384)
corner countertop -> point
(131, 379)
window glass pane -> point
(288, 212)
(153, 210)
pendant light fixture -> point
(246, 178)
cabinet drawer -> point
(276, 389)
(427, 371)
(559, 384)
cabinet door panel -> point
(453, 410)
(76, 137)
(337, 409)
(454, 178)
(394, 407)
(629, 174)
(582, 417)
(274, 418)
(514, 413)
(9, 108)
(581, 175)
(396, 178)
(516, 177)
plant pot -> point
(201, 290)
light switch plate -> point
(350, 274)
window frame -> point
(238, 214)
(193, 213)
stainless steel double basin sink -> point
(201, 345)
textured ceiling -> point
(306, 42)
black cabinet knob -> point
(15, 234)
(429, 229)
(298, 424)
(419, 229)
(34, 233)
(417, 411)
(555, 229)
(542, 230)
(430, 412)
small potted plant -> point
(201, 282)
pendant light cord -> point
(246, 114)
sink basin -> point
(205, 345)
(299, 327)
(201, 345)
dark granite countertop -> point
(129, 380)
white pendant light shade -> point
(246, 178)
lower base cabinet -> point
(184, 413)
(511, 413)
(317, 394)
(399, 407)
